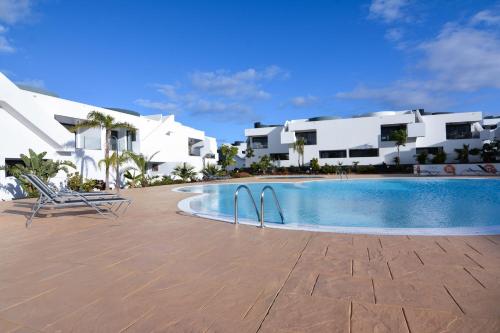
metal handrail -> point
(342, 173)
(236, 202)
(269, 187)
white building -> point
(39, 120)
(366, 139)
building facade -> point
(38, 120)
(367, 139)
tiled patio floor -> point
(157, 270)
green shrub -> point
(422, 157)
(314, 164)
(439, 158)
(365, 169)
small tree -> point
(464, 152)
(185, 172)
(265, 163)
(298, 147)
(400, 137)
(439, 157)
(96, 119)
(422, 157)
(227, 155)
(249, 152)
(141, 166)
(315, 167)
(491, 151)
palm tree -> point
(101, 120)
(464, 152)
(298, 147)
(141, 165)
(400, 137)
(115, 163)
(185, 172)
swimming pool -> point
(379, 206)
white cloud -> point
(162, 106)
(463, 59)
(400, 95)
(220, 94)
(243, 84)
(488, 17)
(221, 111)
(388, 10)
(394, 34)
(168, 90)
(13, 11)
(459, 59)
(5, 46)
(36, 83)
(303, 101)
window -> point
(154, 167)
(259, 142)
(114, 140)
(332, 153)
(9, 163)
(371, 152)
(89, 138)
(458, 131)
(429, 150)
(280, 157)
(130, 139)
(194, 146)
(387, 130)
(308, 137)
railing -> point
(341, 174)
(269, 187)
(236, 202)
(260, 216)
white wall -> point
(27, 120)
(365, 132)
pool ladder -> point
(341, 174)
(260, 216)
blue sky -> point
(221, 65)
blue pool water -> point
(441, 206)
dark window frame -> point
(387, 130)
(358, 152)
(279, 156)
(458, 131)
(330, 153)
(429, 150)
(308, 141)
(259, 137)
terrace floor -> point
(158, 270)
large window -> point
(332, 153)
(114, 140)
(308, 137)
(387, 130)
(458, 131)
(259, 142)
(279, 157)
(130, 139)
(194, 146)
(429, 150)
(371, 152)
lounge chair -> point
(104, 205)
(67, 192)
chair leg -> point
(35, 209)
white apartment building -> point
(366, 139)
(30, 118)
